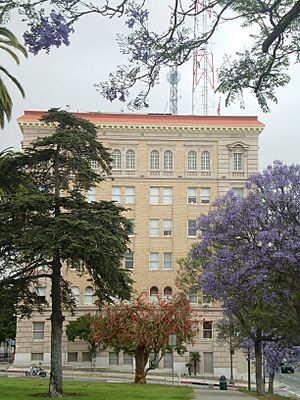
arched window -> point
(75, 294)
(205, 161)
(130, 159)
(168, 160)
(116, 159)
(88, 295)
(192, 161)
(154, 294)
(167, 292)
(154, 159)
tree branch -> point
(282, 25)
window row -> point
(158, 195)
(88, 295)
(161, 195)
(129, 159)
(198, 195)
(154, 293)
(194, 297)
(155, 231)
(162, 160)
(155, 259)
(75, 291)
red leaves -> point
(126, 326)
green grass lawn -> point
(36, 389)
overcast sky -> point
(65, 77)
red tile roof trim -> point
(153, 119)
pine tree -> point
(52, 224)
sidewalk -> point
(204, 394)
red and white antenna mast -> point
(203, 95)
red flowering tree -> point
(142, 327)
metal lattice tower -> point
(203, 98)
(173, 78)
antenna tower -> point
(173, 77)
(203, 101)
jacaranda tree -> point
(139, 328)
(261, 67)
(250, 254)
(52, 225)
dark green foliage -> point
(51, 223)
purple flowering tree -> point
(262, 66)
(250, 255)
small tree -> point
(195, 359)
(140, 328)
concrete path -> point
(214, 394)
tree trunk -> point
(56, 376)
(271, 383)
(260, 387)
(141, 359)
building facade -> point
(167, 171)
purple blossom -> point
(251, 252)
(136, 15)
(47, 32)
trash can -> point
(223, 382)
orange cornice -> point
(153, 119)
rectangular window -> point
(193, 296)
(127, 359)
(238, 192)
(192, 227)
(91, 194)
(205, 195)
(72, 357)
(207, 329)
(116, 194)
(129, 195)
(37, 356)
(113, 358)
(94, 164)
(168, 360)
(129, 260)
(75, 264)
(206, 298)
(237, 161)
(131, 229)
(154, 195)
(86, 356)
(168, 261)
(38, 330)
(41, 293)
(168, 227)
(153, 227)
(153, 261)
(192, 196)
(167, 195)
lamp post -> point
(172, 343)
(248, 362)
(231, 350)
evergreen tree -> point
(52, 224)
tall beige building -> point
(167, 170)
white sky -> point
(66, 76)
